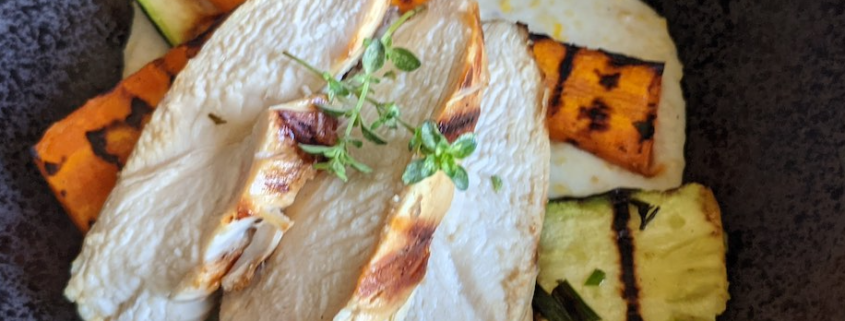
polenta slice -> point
(670, 269)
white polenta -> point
(627, 27)
(145, 44)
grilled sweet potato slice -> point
(81, 155)
(405, 5)
(602, 102)
(226, 5)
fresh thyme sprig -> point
(432, 150)
(438, 154)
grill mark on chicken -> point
(460, 116)
(456, 125)
(625, 246)
(403, 268)
(313, 128)
(279, 180)
(244, 210)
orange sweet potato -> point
(405, 5)
(81, 155)
(226, 5)
(601, 102)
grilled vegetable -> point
(81, 155)
(673, 269)
(226, 5)
(181, 20)
(602, 102)
(405, 5)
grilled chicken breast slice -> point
(483, 256)
(253, 224)
(186, 166)
(401, 256)
(340, 227)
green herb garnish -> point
(596, 278)
(573, 302)
(564, 304)
(646, 211)
(550, 308)
(438, 154)
(432, 151)
(497, 183)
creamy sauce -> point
(145, 43)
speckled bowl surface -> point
(764, 82)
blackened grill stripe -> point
(138, 110)
(99, 145)
(563, 71)
(455, 126)
(52, 168)
(625, 244)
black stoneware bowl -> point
(764, 83)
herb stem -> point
(395, 26)
(407, 126)
(303, 63)
(356, 113)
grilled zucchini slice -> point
(672, 268)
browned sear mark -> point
(312, 128)
(598, 114)
(609, 81)
(139, 111)
(400, 270)
(455, 126)
(99, 144)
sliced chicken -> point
(399, 261)
(252, 226)
(483, 256)
(364, 243)
(193, 155)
